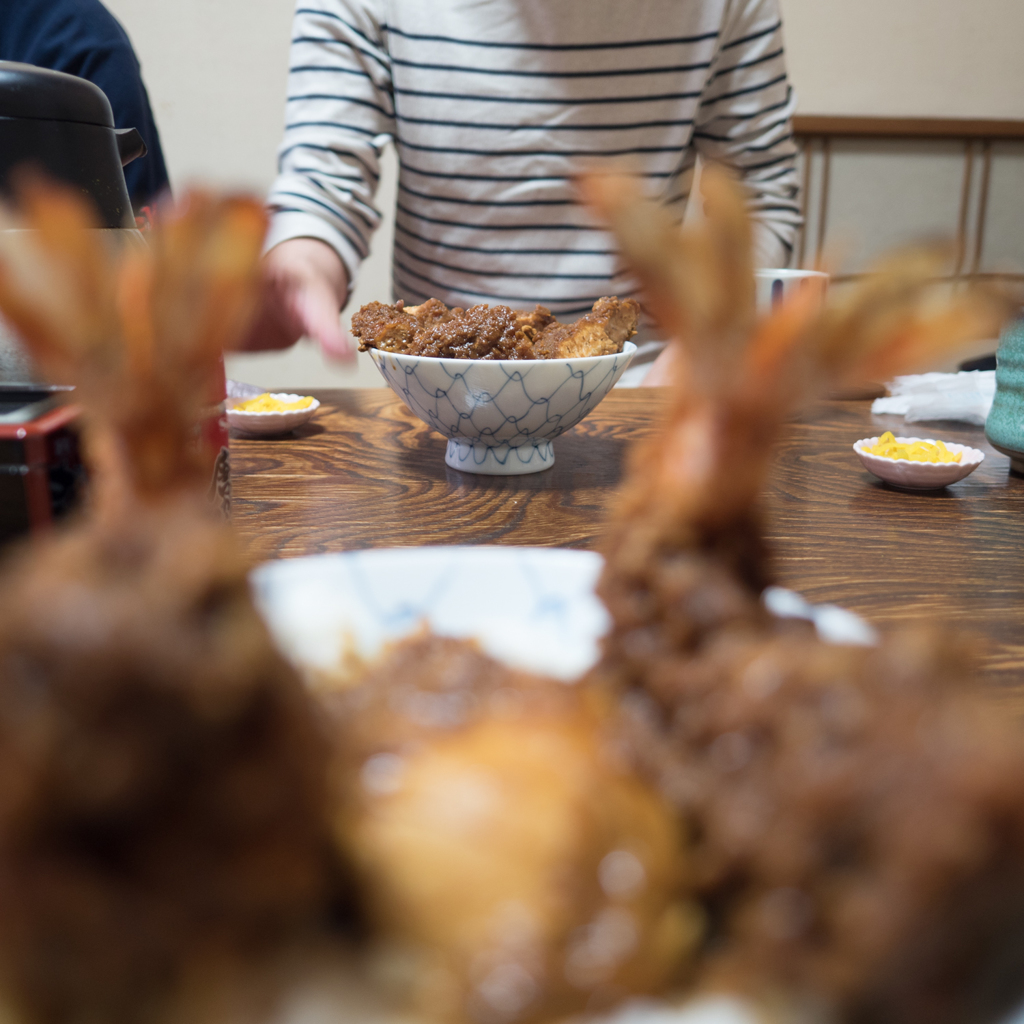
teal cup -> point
(1004, 427)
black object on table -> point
(41, 472)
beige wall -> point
(216, 68)
(216, 75)
(913, 58)
(215, 71)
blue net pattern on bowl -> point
(501, 403)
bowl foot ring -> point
(500, 459)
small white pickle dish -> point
(266, 423)
(919, 476)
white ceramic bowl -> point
(269, 422)
(533, 608)
(919, 476)
(501, 415)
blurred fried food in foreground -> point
(139, 332)
(503, 844)
(162, 774)
(726, 802)
(857, 815)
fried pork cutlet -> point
(494, 332)
(602, 331)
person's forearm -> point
(745, 123)
(329, 161)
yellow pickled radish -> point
(268, 403)
(918, 451)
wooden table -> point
(367, 473)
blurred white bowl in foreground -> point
(533, 608)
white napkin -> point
(965, 396)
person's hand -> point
(303, 288)
(664, 369)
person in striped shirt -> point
(494, 106)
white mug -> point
(775, 285)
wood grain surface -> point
(840, 126)
(952, 557)
(367, 473)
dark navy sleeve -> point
(81, 37)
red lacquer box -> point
(41, 472)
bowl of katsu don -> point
(500, 384)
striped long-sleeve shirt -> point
(494, 105)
